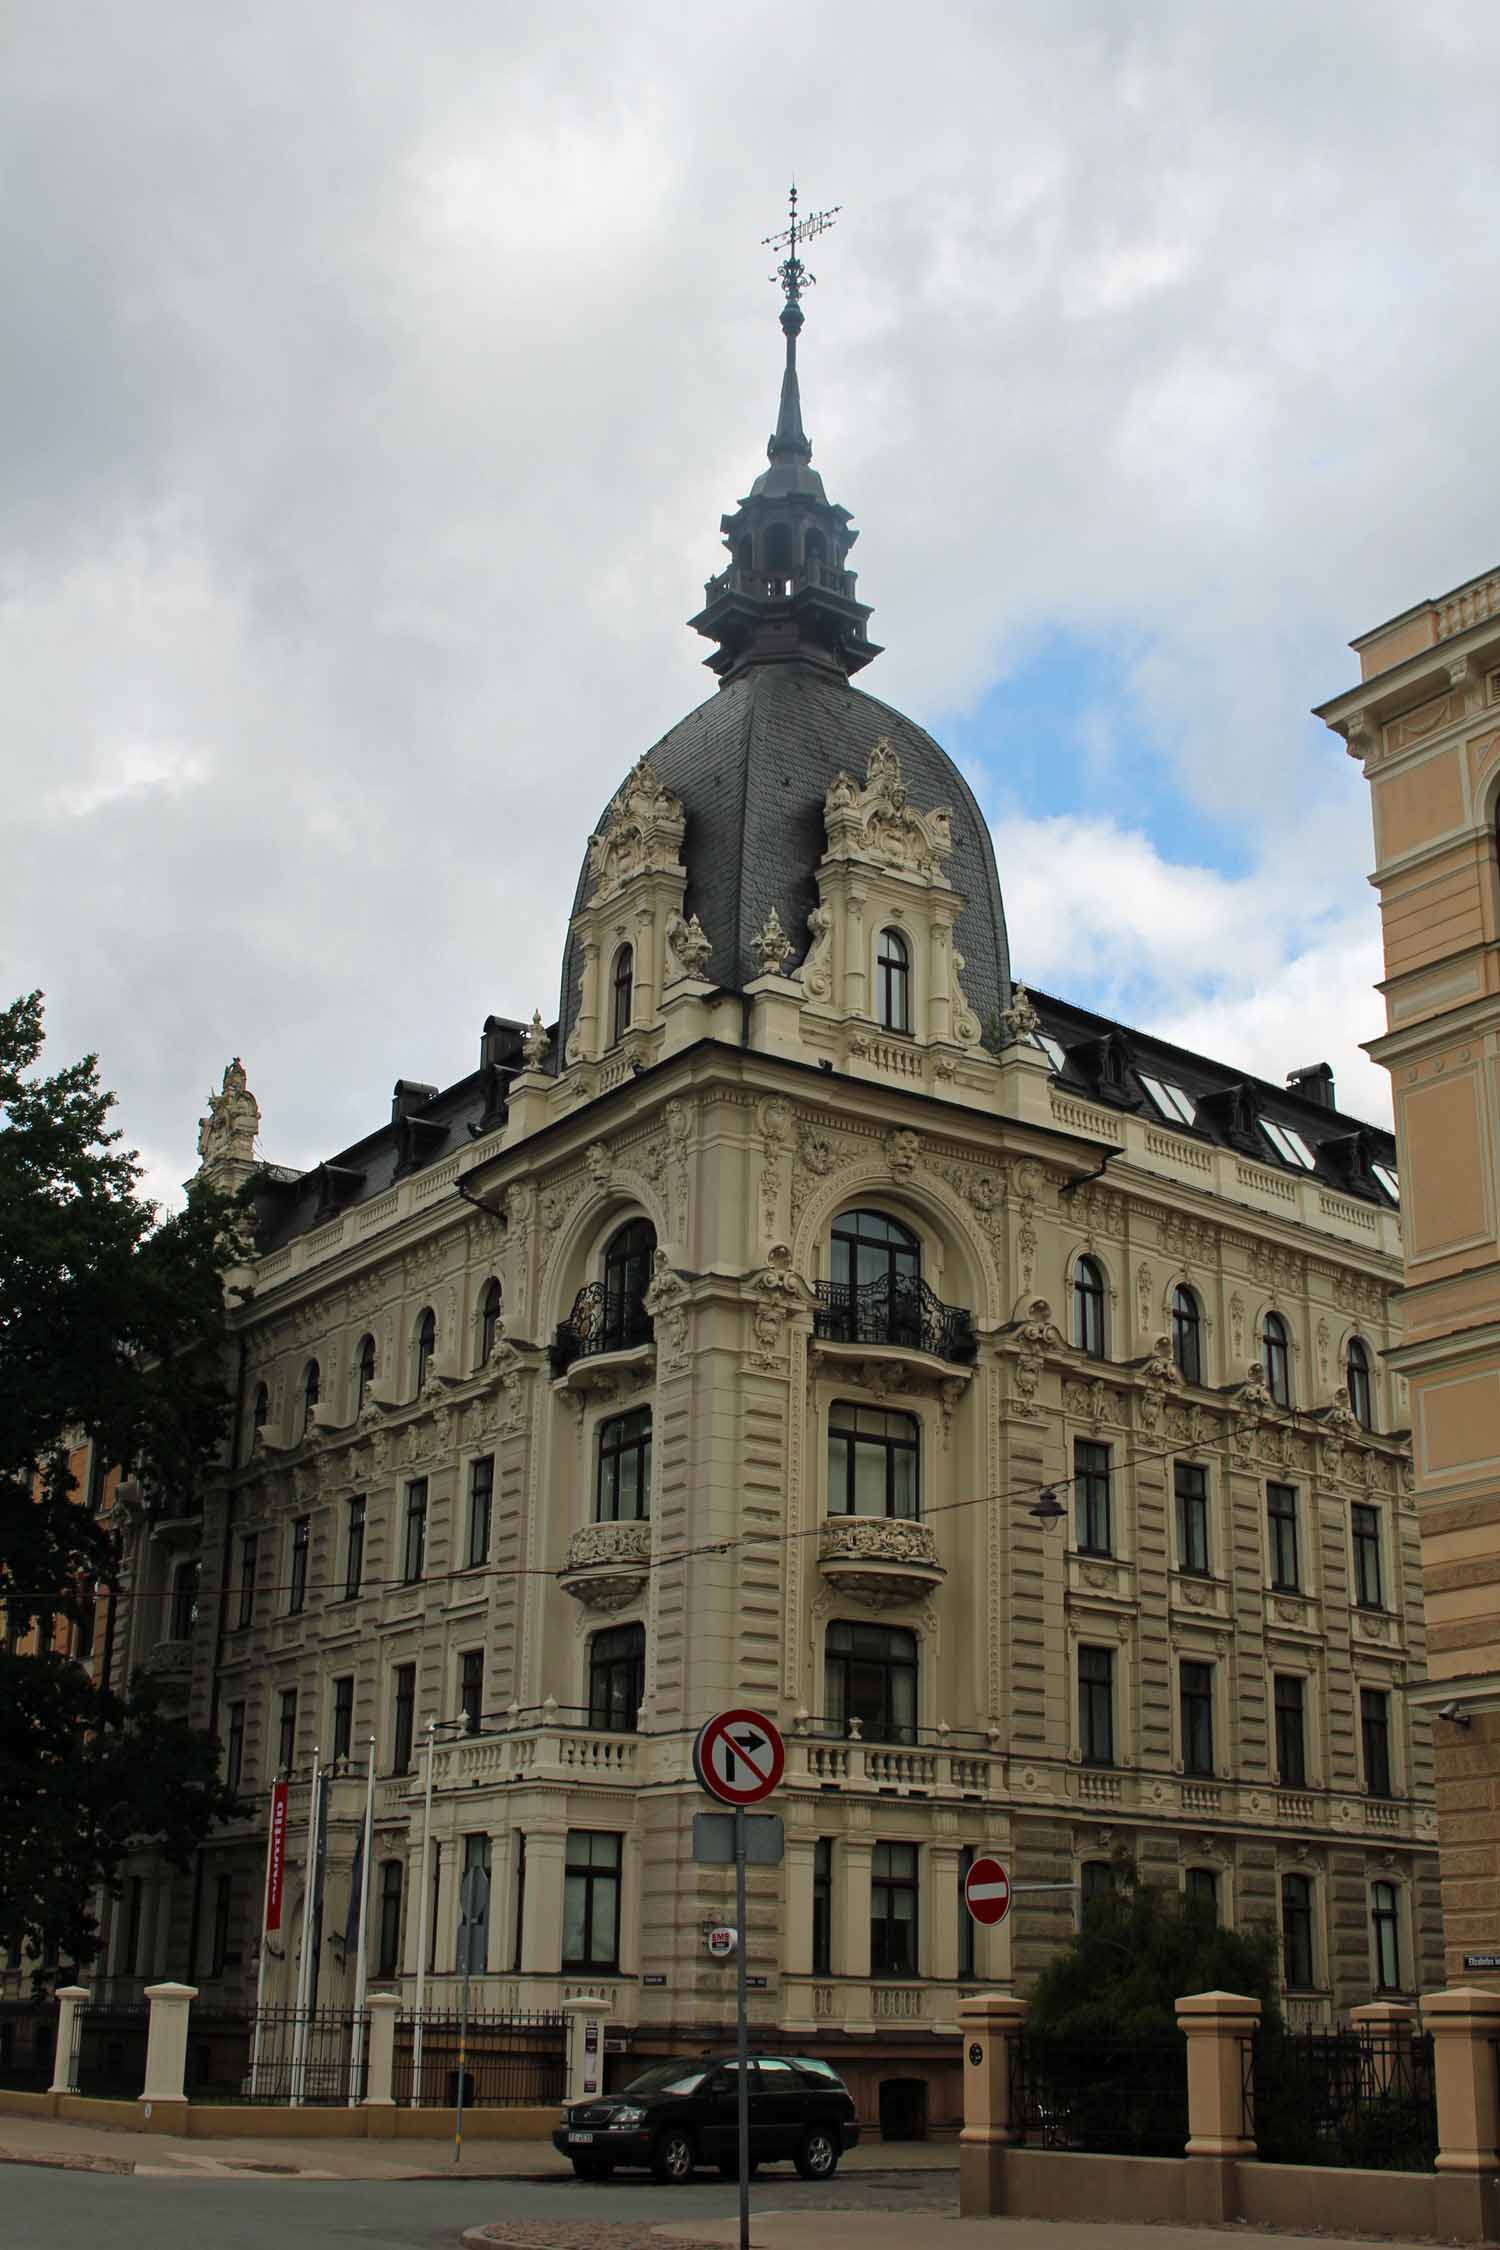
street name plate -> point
(1482, 1960)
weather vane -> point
(791, 273)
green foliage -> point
(111, 1329)
(1140, 1949)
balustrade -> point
(895, 1309)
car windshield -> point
(669, 2078)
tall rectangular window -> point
(354, 1547)
(1096, 1881)
(617, 1678)
(234, 1748)
(1291, 1749)
(1096, 1705)
(893, 1910)
(471, 1688)
(1091, 1497)
(874, 1462)
(822, 1908)
(1364, 1524)
(1191, 1483)
(249, 1563)
(1195, 1684)
(286, 1746)
(416, 1529)
(1384, 1929)
(481, 1504)
(518, 1943)
(966, 1859)
(388, 1941)
(343, 1715)
(219, 1938)
(301, 1544)
(622, 1482)
(405, 1682)
(1296, 1932)
(1201, 1884)
(871, 1674)
(135, 1922)
(1375, 1736)
(591, 1900)
(1281, 1517)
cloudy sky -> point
(374, 376)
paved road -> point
(48, 2210)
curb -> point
(61, 2162)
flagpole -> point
(260, 1971)
(424, 1905)
(309, 1930)
(357, 2049)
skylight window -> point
(1050, 1048)
(1174, 1104)
(1388, 1181)
(1289, 1145)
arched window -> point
(622, 1489)
(489, 1322)
(871, 1676)
(184, 1601)
(311, 1383)
(426, 1346)
(364, 1373)
(873, 1462)
(1187, 1334)
(875, 1289)
(1088, 1308)
(1278, 1353)
(893, 981)
(617, 1677)
(627, 1274)
(624, 991)
(1361, 1393)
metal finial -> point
(792, 275)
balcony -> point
(602, 1322)
(557, 1752)
(901, 1770)
(607, 1564)
(880, 1561)
(897, 1310)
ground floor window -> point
(591, 1900)
(893, 1911)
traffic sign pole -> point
(742, 2025)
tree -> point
(1140, 1949)
(112, 1330)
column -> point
(940, 979)
(1465, 2022)
(384, 2007)
(541, 1937)
(166, 2048)
(941, 1910)
(586, 2020)
(72, 1999)
(989, 2022)
(796, 1936)
(1218, 2027)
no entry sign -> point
(739, 1757)
(987, 1892)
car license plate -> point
(580, 2137)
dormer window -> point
(426, 1346)
(1388, 1181)
(1175, 1106)
(1278, 1355)
(1051, 1048)
(624, 991)
(893, 982)
(1289, 1145)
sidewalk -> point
(894, 2230)
(46, 2140)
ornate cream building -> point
(1424, 721)
(723, 1342)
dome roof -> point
(752, 766)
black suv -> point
(679, 2115)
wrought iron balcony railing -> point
(602, 1320)
(896, 1309)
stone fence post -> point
(1465, 2023)
(166, 2049)
(1218, 2027)
(989, 2024)
(586, 2019)
(72, 1999)
(380, 2077)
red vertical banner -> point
(276, 1860)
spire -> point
(787, 594)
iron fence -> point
(278, 2056)
(510, 2061)
(1108, 2097)
(109, 2051)
(28, 2041)
(1341, 2098)
(897, 1309)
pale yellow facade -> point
(1425, 723)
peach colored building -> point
(1425, 722)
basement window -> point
(1174, 1104)
(1289, 1145)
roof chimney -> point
(1314, 1082)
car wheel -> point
(730, 2167)
(592, 2167)
(818, 2157)
(673, 2157)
